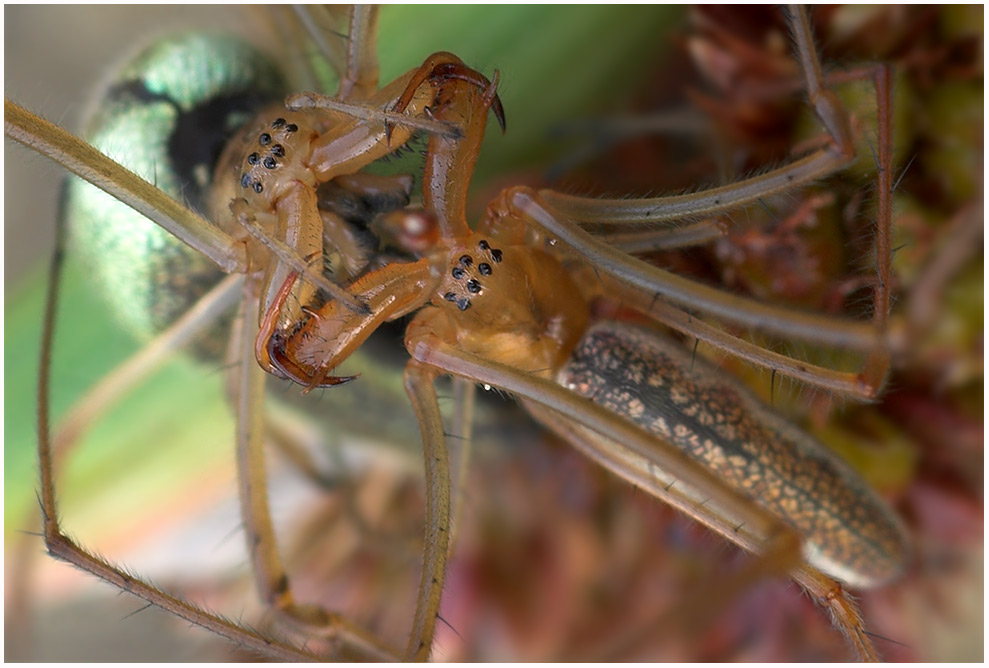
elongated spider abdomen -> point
(847, 530)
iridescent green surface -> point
(144, 272)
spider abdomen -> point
(848, 531)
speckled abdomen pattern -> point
(849, 533)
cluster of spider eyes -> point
(462, 271)
(269, 161)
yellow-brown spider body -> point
(503, 294)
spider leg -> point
(430, 349)
(563, 215)
(777, 560)
(651, 291)
(419, 384)
(270, 575)
(140, 366)
(664, 238)
(320, 26)
(64, 548)
(837, 154)
(82, 159)
(688, 293)
(366, 133)
(845, 613)
(462, 431)
(116, 385)
(360, 79)
(352, 55)
(636, 456)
